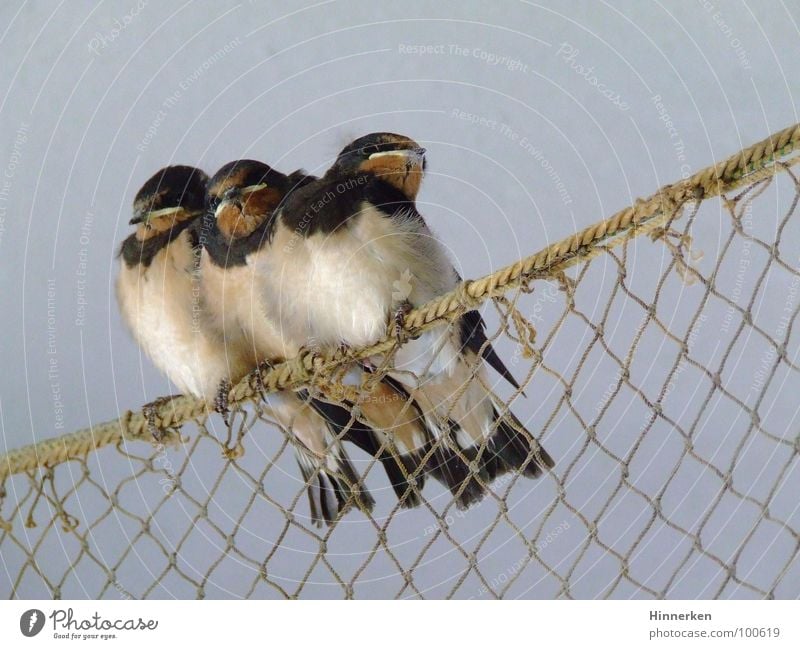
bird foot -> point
(311, 348)
(221, 400)
(369, 365)
(258, 376)
(403, 309)
(150, 412)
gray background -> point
(90, 111)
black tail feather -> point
(516, 450)
(365, 438)
(448, 468)
(507, 450)
(473, 337)
(452, 469)
(328, 496)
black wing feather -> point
(473, 337)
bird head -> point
(172, 195)
(396, 159)
(243, 194)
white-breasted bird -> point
(158, 284)
(344, 244)
(237, 237)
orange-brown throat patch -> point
(156, 226)
(236, 222)
(395, 171)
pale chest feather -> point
(160, 304)
(344, 286)
(156, 300)
(236, 310)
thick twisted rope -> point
(750, 165)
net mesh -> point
(659, 369)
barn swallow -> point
(242, 197)
(246, 243)
(158, 285)
(361, 257)
(238, 232)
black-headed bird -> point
(158, 285)
(238, 242)
(169, 306)
(355, 256)
(242, 244)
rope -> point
(750, 165)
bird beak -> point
(230, 196)
(253, 188)
(221, 206)
(413, 157)
(237, 196)
(145, 216)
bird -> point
(163, 298)
(237, 239)
(355, 255)
(158, 286)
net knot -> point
(302, 367)
(465, 298)
(526, 332)
(125, 425)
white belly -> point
(236, 312)
(161, 305)
(345, 286)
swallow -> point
(361, 255)
(246, 253)
(237, 245)
(158, 284)
(177, 315)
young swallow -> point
(158, 283)
(237, 234)
(360, 256)
(243, 197)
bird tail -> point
(477, 439)
(332, 486)
(452, 458)
(391, 432)
(332, 482)
(513, 448)
(451, 466)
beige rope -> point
(750, 165)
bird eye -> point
(369, 150)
